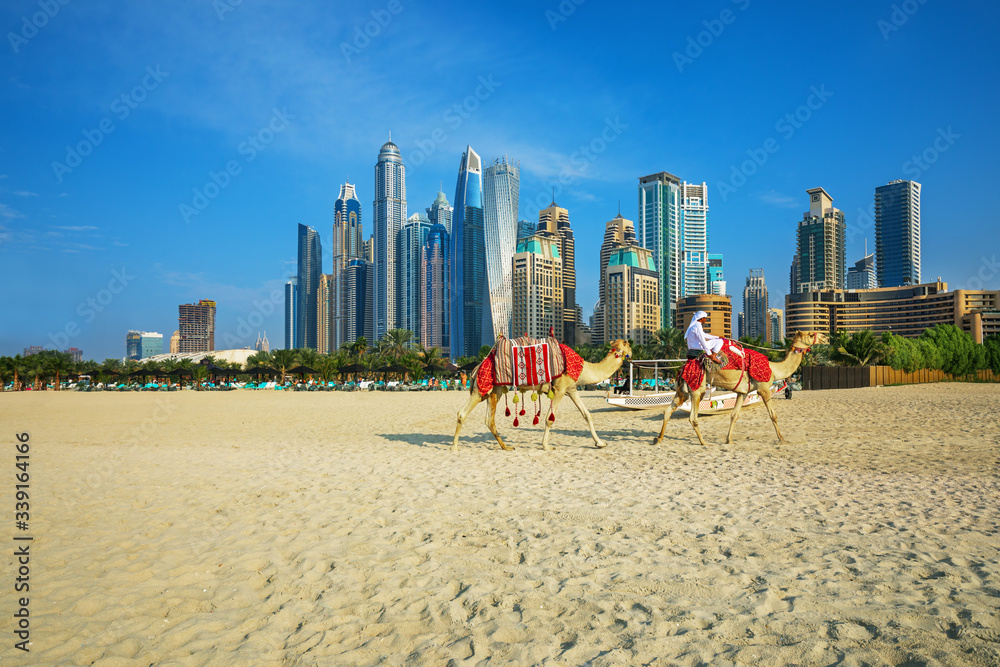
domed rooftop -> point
(389, 147)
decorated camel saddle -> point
(734, 357)
(526, 362)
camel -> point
(563, 385)
(742, 383)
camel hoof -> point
(600, 444)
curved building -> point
(468, 250)
(390, 212)
(501, 184)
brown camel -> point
(742, 383)
(562, 385)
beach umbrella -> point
(139, 374)
(352, 368)
(303, 370)
(450, 367)
(180, 372)
(468, 366)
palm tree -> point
(36, 368)
(669, 343)
(199, 373)
(397, 342)
(283, 360)
(60, 363)
(308, 357)
(327, 367)
(259, 359)
(861, 347)
(7, 370)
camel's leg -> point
(491, 424)
(736, 413)
(765, 395)
(474, 399)
(679, 398)
(559, 393)
(695, 404)
(573, 396)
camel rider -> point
(699, 341)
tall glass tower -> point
(347, 245)
(409, 293)
(657, 230)
(440, 212)
(291, 310)
(673, 223)
(435, 277)
(390, 212)
(310, 268)
(468, 258)
(501, 186)
(897, 234)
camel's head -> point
(804, 340)
(621, 349)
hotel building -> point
(905, 311)
(537, 288)
(632, 308)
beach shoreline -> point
(202, 528)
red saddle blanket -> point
(526, 363)
(738, 358)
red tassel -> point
(535, 423)
(508, 412)
(515, 421)
(522, 412)
(552, 417)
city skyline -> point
(170, 161)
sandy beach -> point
(270, 528)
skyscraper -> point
(468, 258)
(435, 277)
(501, 187)
(390, 212)
(526, 228)
(632, 310)
(716, 275)
(409, 289)
(537, 288)
(324, 309)
(897, 234)
(440, 212)
(618, 233)
(143, 344)
(862, 274)
(673, 223)
(347, 245)
(553, 223)
(756, 320)
(693, 223)
(310, 269)
(197, 326)
(291, 311)
(360, 297)
(777, 316)
(658, 231)
(820, 245)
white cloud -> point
(7, 212)
(25, 193)
(777, 199)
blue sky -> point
(264, 108)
